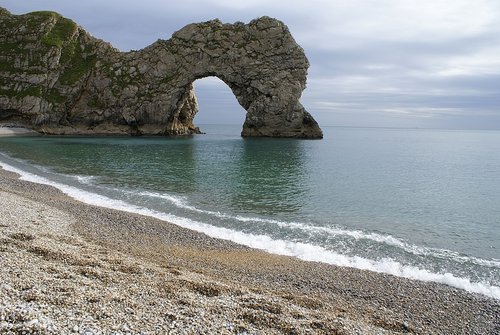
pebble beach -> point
(71, 268)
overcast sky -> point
(382, 63)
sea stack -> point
(56, 78)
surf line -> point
(304, 251)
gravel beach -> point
(71, 268)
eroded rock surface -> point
(58, 79)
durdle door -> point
(58, 79)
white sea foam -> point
(86, 180)
(333, 231)
(303, 251)
(390, 240)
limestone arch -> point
(262, 65)
(89, 87)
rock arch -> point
(262, 65)
(90, 87)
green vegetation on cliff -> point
(31, 53)
(77, 64)
(60, 33)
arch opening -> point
(217, 105)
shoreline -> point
(309, 253)
(235, 287)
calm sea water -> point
(421, 204)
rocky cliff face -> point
(58, 79)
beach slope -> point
(70, 267)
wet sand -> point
(68, 267)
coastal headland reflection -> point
(270, 176)
(243, 176)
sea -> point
(415, 203)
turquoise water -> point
(422, 204)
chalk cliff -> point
(58, 79)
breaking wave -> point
(304, 251)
